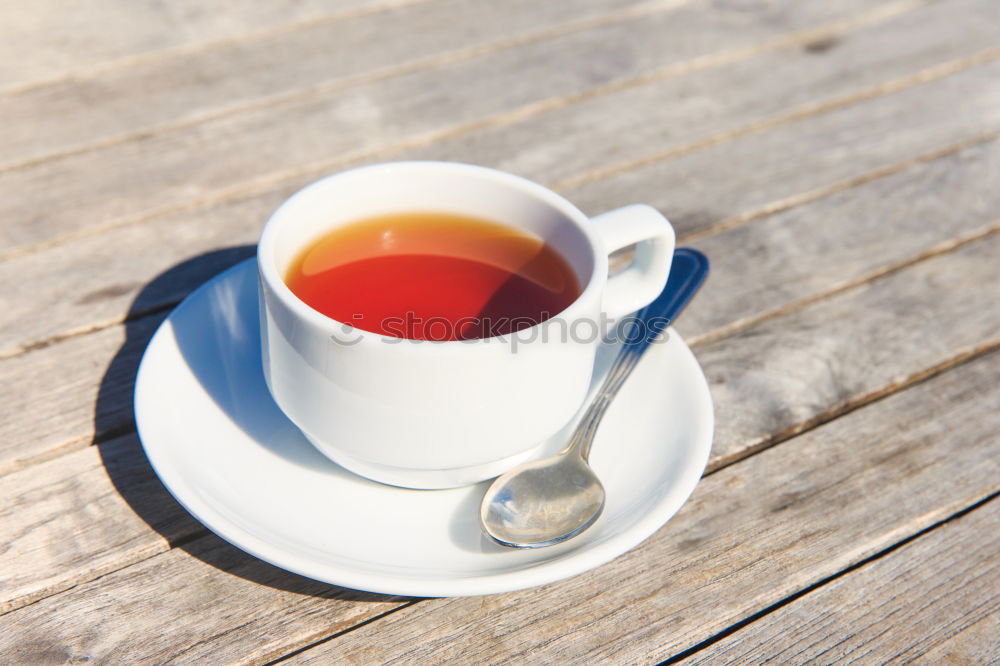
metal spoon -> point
(547, 501)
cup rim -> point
(269, 271)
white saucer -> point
(225, 451)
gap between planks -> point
(939, 249)
(839, 408)
(790, 40)
(923, 76)
(713, 335)
(937, 370)
(717, 465)
(338, 634)
(728, 631)
(809, 196)
(857, 403)
(440, 643)
(726, 224)
(427, 63)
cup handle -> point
(643, 280)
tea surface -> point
(433, 276)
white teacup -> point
(425, 414)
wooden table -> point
(838, 161)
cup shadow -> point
(126, 463)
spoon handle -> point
(687, 272)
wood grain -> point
(106, 280)
(767, 265)
(836, 160)
(790, 372)
(901, 606)
(976, 644)
(250, 151)
(694, 111)
(88, 383)
(193, 85)
(204, 603)
(56, 39)
(857, 233)
(69, 520)
(803, 159)
(752, 534)
(771, 380)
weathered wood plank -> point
(88, 391)
(827, 151)
(819, 378)
(232, 608)
(847, 237)
(182, 88)
(767, 266)
(895, 609)
(792, 371)
(696, 111)
(816, 374)
(260, 148)
(69, 520)
(92, 281)
(52, 38)
(974, 645)
(752, 534)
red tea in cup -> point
(433, 276)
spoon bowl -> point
(545, 502)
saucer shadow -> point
(126, 462)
